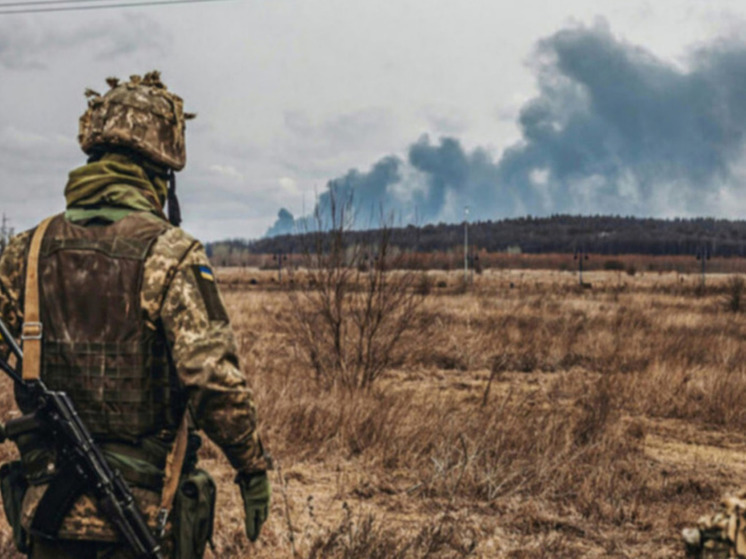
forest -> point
(599, 234)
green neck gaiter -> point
(113, 187)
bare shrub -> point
(425, 284)
(705, 395)
(462, 286)
(584, 444)
(357, 307)
(734, 294)
(580, 454)
(567, 446)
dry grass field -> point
(523, 418)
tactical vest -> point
(98, 345)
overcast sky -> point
(291, 94)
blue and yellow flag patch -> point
(206, 273)
(208, 288)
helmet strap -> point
(174, 212)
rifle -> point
(79, 457)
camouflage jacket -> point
(202, 347)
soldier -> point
(133, 328)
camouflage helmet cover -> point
(141, 115)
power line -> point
(101, 6)
(43, 3)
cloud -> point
(22, 143)
(28, 46)
(446, 121)
(317, 148)
(350, 128)
(136, 33)
(289, 186)
(227, 171)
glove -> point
(256, 492)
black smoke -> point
(285, 224)
(618, 130)
(613, 129)
(366, 191)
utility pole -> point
(580, 255)
(466, 244)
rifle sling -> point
(174, 465)
(32, 329)
(60, 496)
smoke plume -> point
(613, 129)
(285, 224)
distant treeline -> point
(608, 235)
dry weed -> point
(526, 421)
(363, 537)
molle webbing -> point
(109, 388)
(96, 344)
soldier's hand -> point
(256, 492)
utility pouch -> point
(193, 514)
(13, 486)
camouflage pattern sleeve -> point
(12, 265)
(204, 349)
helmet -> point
(140, 115)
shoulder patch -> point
(209, 291)
(206, 273)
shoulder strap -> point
(171, 273)
(31, 332)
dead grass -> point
(363, 537)
(537, 420)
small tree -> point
(356, 307)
